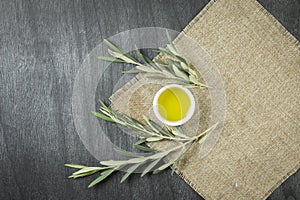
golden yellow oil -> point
(173, 104)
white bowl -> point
(189, 113)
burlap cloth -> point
(259, 62)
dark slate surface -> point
(42, 44)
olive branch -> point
(149, 132)
(174, 67)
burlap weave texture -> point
(259, 62)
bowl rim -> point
(189, 113)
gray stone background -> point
(42, 44)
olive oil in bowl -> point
(174, 105)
